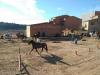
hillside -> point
(11, 26)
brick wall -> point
(54, 27)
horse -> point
(37, 45)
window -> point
(97, 20)
(92, 23)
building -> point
(57, 26)
(91, 21)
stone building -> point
(57, 26)
(91, 21)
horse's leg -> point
(37, 51)
(31, 51)
(41, 50)
(46, 48)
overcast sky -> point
(37, 11)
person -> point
(36, 38)
(91, 34)
(1, 36)
(72, 37)
(76, 40)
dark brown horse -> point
(36, 46)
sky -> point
(38, 11)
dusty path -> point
(64, 58)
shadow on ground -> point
(54, 59)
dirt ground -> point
(63, 58)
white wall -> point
(85, 24)
(28, 34)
